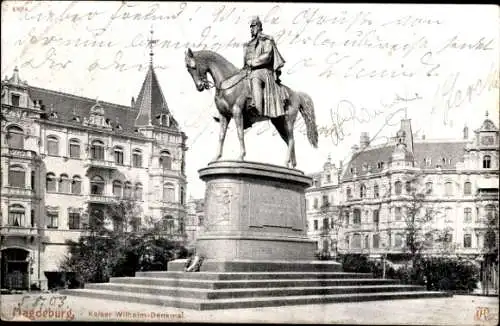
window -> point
(74, 148)
(168, 224)
(53, 220)
(357, 216)
(325, 201)
(376, 193)
(74, 221)
(467, 188)
(117, 189)
(16, 215)
(325, 224)
(137, 158)
(315, 203)
(367, 242)
(97, 185)
(447, 214)
(328, 178)
(168, 192)
(32, 218)
(14, 99)
(398, 241)
(97, 150)
(118, 152)
(376, 241)
(491, 214)
(467, 215)
(467, 240)
(52, 146)
(182, 195)
(17, 176)
(408, 187)
(127, 190)
(33, 181)
(76, 185)
(348, 193)
(398, 187)
(398, 213)
(64, 183)
(50, 182)
(380, 165)
(315, 224)
(15, 137)
(428, 162)
(165, 160)
(356, 241)
(138, 191)
(428, 188)
(346, 217)
(376, 216)
(448, 188)
(486, 162)
(362, 191)
(347, 242)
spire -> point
(150, 102)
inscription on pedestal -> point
(269, 206)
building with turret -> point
(451, 184)
(64, 156)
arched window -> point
(97, 185)
(127, 190)
(117, 188)
(64, 183)
(52, 145)
(74, 148)
(16, 215)
(362, 191)
(76, 185)
(97, 150)
(118, 153)
(15, 137)
(398, 187)
(165, 160)
(50, 182)
(467, 188)
(376, 192)
(137, 158)
(448, 188)
(17, 176)
(138, 191)
(168, 192)
(357, 216)
(168, 224)
(376, 216)
(486, 162)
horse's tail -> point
(306, 108)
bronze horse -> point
(232, 97)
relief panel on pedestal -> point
(220, 199)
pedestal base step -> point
(211, 290)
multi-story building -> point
(64, 156)
(451, 184)
(194, 219)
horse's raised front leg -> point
(238, 119)
(222, 136)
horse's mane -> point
(205, 56)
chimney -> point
(466, 132)
(364, 140)
(132, 102)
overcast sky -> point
(370, 62)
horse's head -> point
(198, 71)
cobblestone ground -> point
(458, 310)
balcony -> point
(167, 205)
(100, 164)
(165, 172)
(19, 153)
(18, 192)
(100, 199)
(18, 231)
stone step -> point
(266, 283)
(252, 276)
(201, 304)
(249, 292)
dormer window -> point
(76, 119)
(53, 115)
(164, 120)
(15, 99)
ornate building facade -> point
(63, 156)
(455, 183)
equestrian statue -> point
(254, 93)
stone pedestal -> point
(255, 219)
